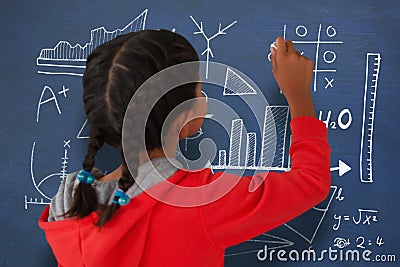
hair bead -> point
(121, 198)
(86, 177)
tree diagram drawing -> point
(208, 50)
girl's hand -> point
(293, 73)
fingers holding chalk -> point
(279, 49)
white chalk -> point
(273, 45)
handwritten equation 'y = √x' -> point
(221, 31)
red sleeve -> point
(241, 215)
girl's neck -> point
(143, 158)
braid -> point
(126, 180)
(114, 71)
(85, 197)
(96, 142)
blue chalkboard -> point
(354, 45)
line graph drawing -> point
(328, 56)
(68, 59)
(274, 115)
(236, 85)
(45, 198)
(373, 64)
(208, 50)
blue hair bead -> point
(86, 177)
(124, 200)
(90, 179)
(81, 177)
(121, 198)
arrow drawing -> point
(343, 168)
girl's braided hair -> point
(114, 71)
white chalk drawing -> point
(312, 219)
(364, 217)
(273, 242)
(341, 242)
(373, 64)
(64, 91)
(80, 134)
(251, 151)
(201, 31)
(342, 168)
(44, 197)
(67, 59)
(343, 121)
(328, 56)
(315, 219)
(236, 85)
(236, 142)
(233, 158)
(52, 98)
(280, 115)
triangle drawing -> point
(84, 132)
(308, 224)
(236, 85)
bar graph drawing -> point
(274, 143)
(235, 142)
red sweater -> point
(148, 232)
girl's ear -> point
(194, 118)
(191, 127)
(186, 125)
(184, 131)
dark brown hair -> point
(114, 71)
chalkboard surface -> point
(355, 47)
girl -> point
(108, 220)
